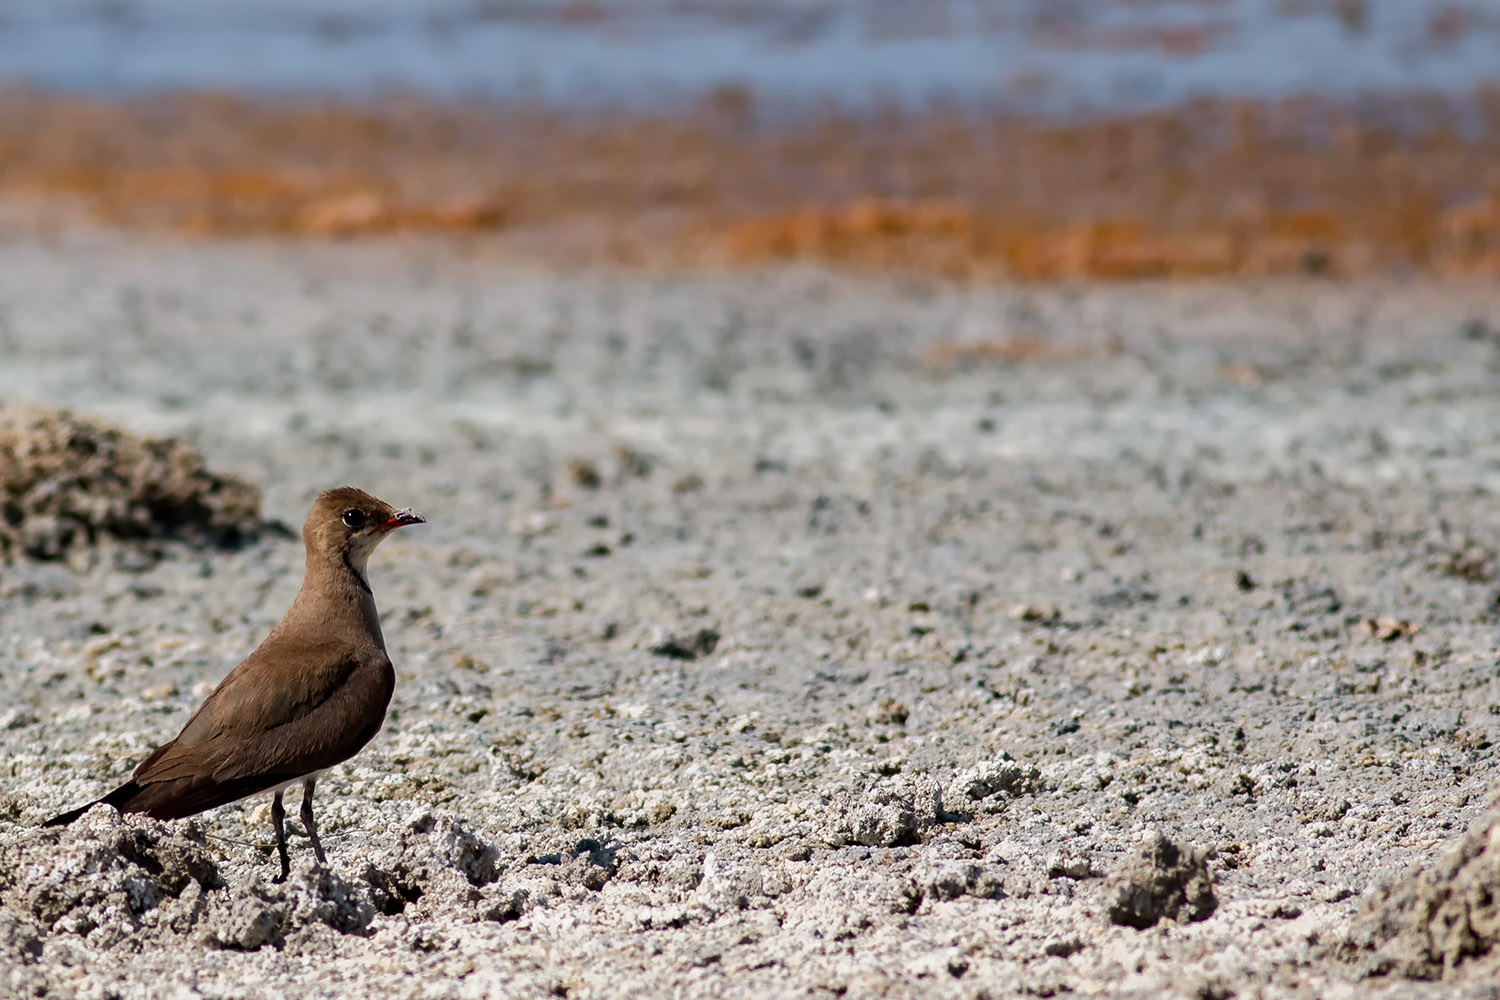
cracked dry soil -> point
(782, 634)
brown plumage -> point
(310, 696)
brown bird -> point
(312, 694)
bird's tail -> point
(116, 798)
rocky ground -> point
(781, 634)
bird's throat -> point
(355, 564)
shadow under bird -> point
(309, 697)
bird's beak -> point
(401, 519)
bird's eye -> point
(354, 517)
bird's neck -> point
(336, 594)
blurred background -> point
(972, 139)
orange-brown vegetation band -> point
(1215, 188)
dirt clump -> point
(105, 879)
(1162, 879)
(69, 484)
(1439, 922)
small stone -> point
(888, 712)
(1073, 866)
(886, 816)
(1162, 880)
(17, 718)
(952, 879)
(1389, 629)
(584, 473)
(690, 647)
(247, 922)
(993, 778)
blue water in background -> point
(1040, 54)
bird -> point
(309, 697)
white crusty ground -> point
(980, 628)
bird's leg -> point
(307, 819)
(278, 820)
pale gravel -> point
(982, 630)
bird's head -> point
(346, 524)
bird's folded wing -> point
(307, 710)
